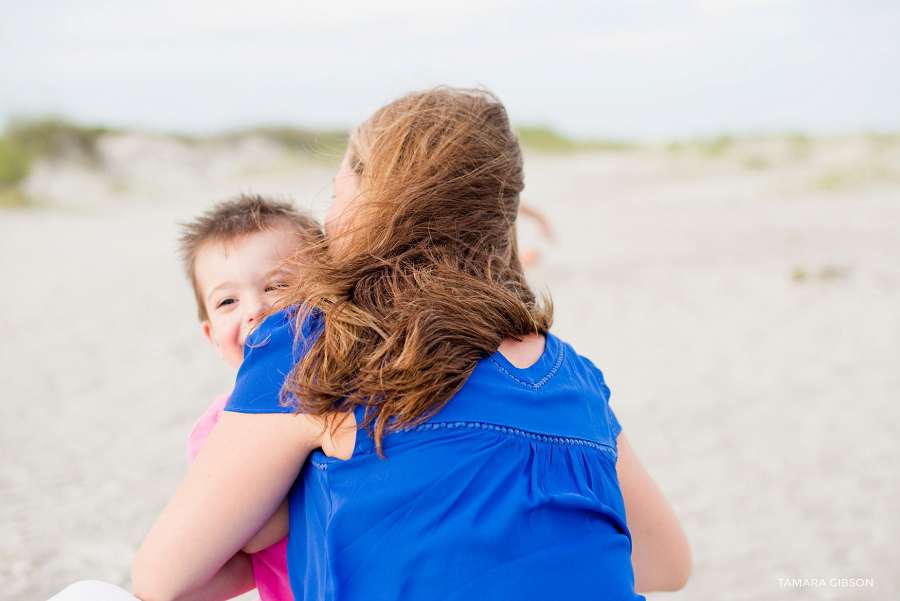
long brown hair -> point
(427, 280)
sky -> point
(617, 69)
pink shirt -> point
(269, 565)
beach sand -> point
(744, 306)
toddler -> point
(233, 256)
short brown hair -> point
(232, 219)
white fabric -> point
(93, 590)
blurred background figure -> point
(531, 255)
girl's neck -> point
(523, 353)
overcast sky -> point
(593, 68)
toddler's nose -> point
(255, 311)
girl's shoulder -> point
(561, 396)
(270, 353)
(293, 322)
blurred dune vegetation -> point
(544, 139)
(25, 142)
(811, 164)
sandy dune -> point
(744, 304)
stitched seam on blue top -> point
(542, 381)
(322, 465)
(562, 440)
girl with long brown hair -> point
(448, 446)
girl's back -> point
(510, 489)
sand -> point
(743, 304)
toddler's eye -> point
(275, 286)
(225, 301)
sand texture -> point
(743, 302)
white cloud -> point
(728, 8)
(660, 43)
(95, 18)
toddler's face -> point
(236, 283)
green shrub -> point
(15, 161)
(24, 141)
(756, 162)
(317, 142)
(12, 197)
(545, 139)
(717, 146)
(883, 141)
(54, 137)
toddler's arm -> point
(273, 531)
(232, 579)
(659, 549)
(245, 471)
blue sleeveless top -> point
(508, 492)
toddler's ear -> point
(211, 337)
